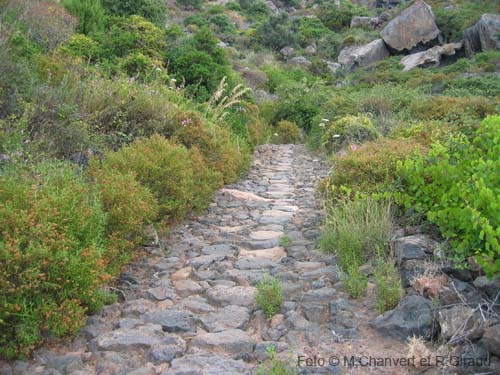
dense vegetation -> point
(97, 139)
(119, 114)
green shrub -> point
(388, 282)
(453, 109)
(287, 132)
(128, 206)
(153, 10)
(81, 46)
(301, 97)
(90, 13)
(222, 23)
(269, 295)
(348, 130)
(194, 4)
(234, 6)
(310, 30)
(354, 230)
(276, 32)
(216, 145)
(369, 169)
(168, 170)
(453, 21)
(195, 19)
(125, 110)
(458, 185)
(137, 64)
(337, 18)
(51, 255)
(200, 64)
(133, 35)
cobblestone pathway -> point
(189, 309)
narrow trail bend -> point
(190, 309)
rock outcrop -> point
(415, 26)
(431, 57)
(412, 317)
(353, 57)
(483, 36)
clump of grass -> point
(285, 241)
(354, 281)
(354, 230)
(275, 366)
(388, 282)
(269, 295)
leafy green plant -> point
(269, 295)
(458, 185)
(354, 230)
(285, 241)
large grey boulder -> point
(412, 317)
(300, 61)
(353, 57)
(483, 36)
(491, 340)
(431, 57)
(490, 287)
(461, 320)
(415, 25)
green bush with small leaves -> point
(170, 172)
(90, 13)
(349, 130)
(153, 10)
(52, 254)
(287, 132)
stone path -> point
(191, 310)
